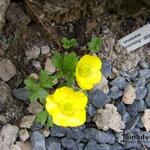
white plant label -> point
(136, 39)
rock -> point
(109, 118)
(119, 82)
(24, 145)
(145, 73)
(129, 95)
(34, 105)
(3, 119)
(15, 147)
(53, 144)
(49, 67)
(78, 146)
(67, 143)
(121, 108)
(140, 124)
(117, 146)
(115, 93)
(132, 109)
(33, 53)
(105, 147)
(103, 85)
(91, 110)
(57, 131)
(36, 126)
(140, 92)
(36, 64)
(4, 4)
(106, 68)
(131, 124)
(131, 61)
(133, 74)
(126, 117)
(7, 69)
(92, 145)
(46, 132)
(38, 141)
(8, 136)
(23, 134)
(109, 43)
(146, 119)
(99, 136)
(144, 64)
(98, 98)
(45, 50)
(75, 134)
(147, 98)
(27, 121)
(5, 93)
(141, 106)
(21, 94)
(34, 76)
(141, 82)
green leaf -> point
(41, 117)
(57, 60)
(31, 84)
(95, 44)
(42, 94)
(45, 80)
(49, 122)
(69, 62)
(67, 44)
(70, 78)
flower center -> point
(67, 109)
(85, 71)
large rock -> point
(3, 8)
(109, 118)
(7, 69)
(8, 136)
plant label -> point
(136, 39)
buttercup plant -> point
(66, 106)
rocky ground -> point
(118, 106)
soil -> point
(36, 22)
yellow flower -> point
(67, 107)
(88, 71)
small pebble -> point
(67, 143)
(21, 94)
(106, 68)
(38, 141)
(45, 50)
(53, 144)
(98, 98)
(145, 73)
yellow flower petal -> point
(77, 119)
(67, 107)
(80, 104)
(51, 106)
(88, 71)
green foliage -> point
(44, 118)
(66, 65)
(38, 89)
(95, 44)
(69, 43)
